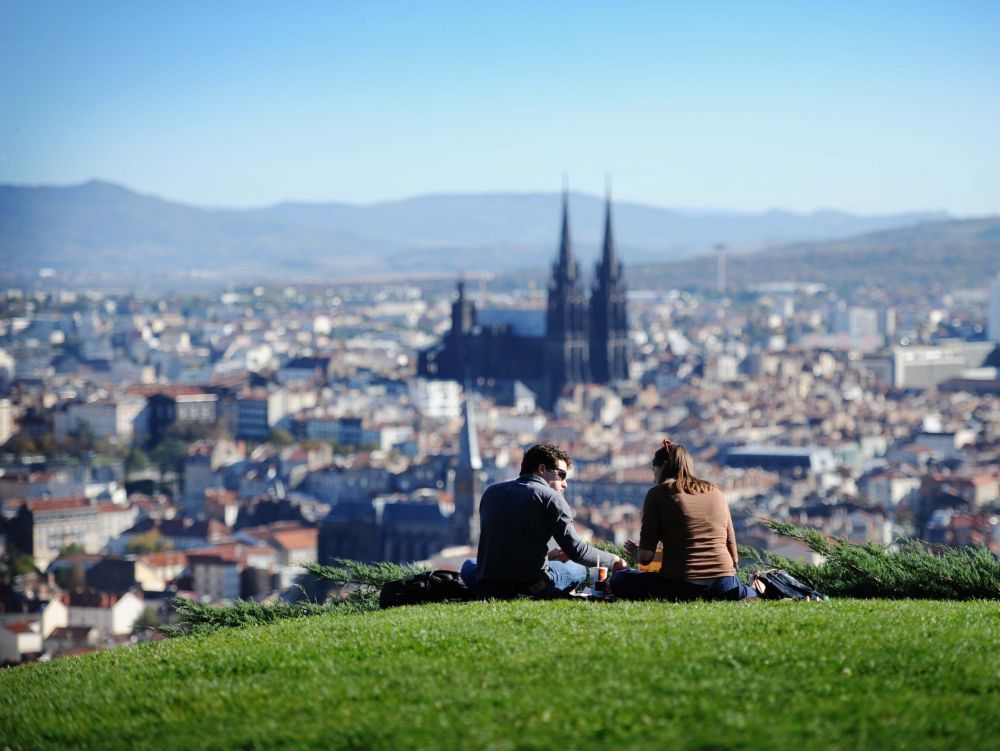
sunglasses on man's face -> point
(560, 472)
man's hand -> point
(631, 547)
(558, 554)
(620, 564)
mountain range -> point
(960, 253)
(99, 226)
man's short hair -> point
(547, 454)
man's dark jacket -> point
(517, 520)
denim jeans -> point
(649, 585)
(562, 576)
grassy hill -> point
(842, 674)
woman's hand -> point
(642, 557)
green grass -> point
(848, 674)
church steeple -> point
(463, 312)
(566, 342)
(468, 476)
(468, 441)
(608, 316)
(565, 266)
(609, 261)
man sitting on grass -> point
(517, 519)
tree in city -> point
(136, 461)
(148, 542)
(280, 437)
(169, 456)
(85, 438)
(18, 563)
(71, 577)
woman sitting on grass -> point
(691, 518)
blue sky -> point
(866, 107)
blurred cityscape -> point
(205, 444)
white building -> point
(57, 523)
(925, 367)
(438, 399)
(517, 424)
(723, 368)
(18, 638)
(154, 571)
(8, 366)
(55, 615)
(114, 419)
(886, 489)
(6, 420)
(386, 437)
(110, 614)
(856, 321)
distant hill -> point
(957, 253)
(102, 226)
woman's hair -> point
(678, 467)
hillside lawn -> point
(842, 674)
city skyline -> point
(860, 109)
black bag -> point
(427, 586)
(778, 584)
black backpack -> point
(427, 586)
(778, 584)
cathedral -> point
(584, 340)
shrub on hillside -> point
(907, 569)
(358, 586)
(201, 618)
(353, 573)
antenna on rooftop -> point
(720, 271)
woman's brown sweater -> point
(696, 532)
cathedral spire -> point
(566, 358)
(609, 261)
(608, 315)
(566, 266)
